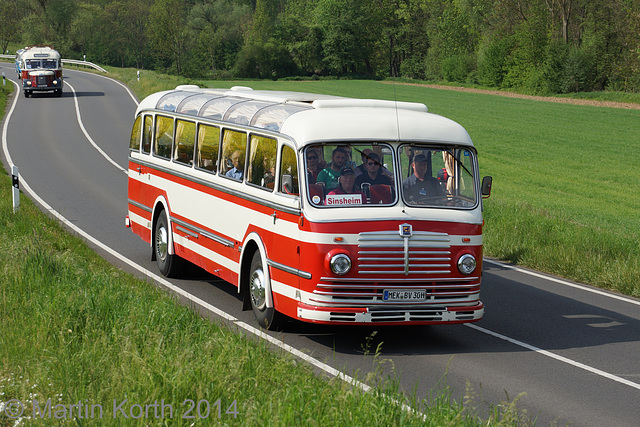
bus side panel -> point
(140, 207)
(198, 209)
(281, 242)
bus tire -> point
(169, 265)
(267, 317)
(26, 94)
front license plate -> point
(404, 295)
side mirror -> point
(286, 183)
(486, 186)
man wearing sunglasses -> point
(372, 174)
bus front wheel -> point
(169, 265)
(267, 317)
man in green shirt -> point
(329, 175)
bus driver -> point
(419, 186)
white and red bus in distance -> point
(19, 62)
(324, 209)
(41, 70)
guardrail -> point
(68, 61)
(85, 63)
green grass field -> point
(566, 189)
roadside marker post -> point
(16, 188)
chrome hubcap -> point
(257, 289)
(161, 243)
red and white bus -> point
(40, 69)
(259, 188)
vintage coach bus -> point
(323, 209)
(41, 70)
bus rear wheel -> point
(169, 265)
(267, 317)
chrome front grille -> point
(387, 252)
(387, 260)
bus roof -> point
(39, 52)
(309, 117)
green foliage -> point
(569, 69)
(535, 46)
(493, 62)
(348, 35)
(457, 68)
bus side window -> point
(208, 144)
(262, 161)
(288, 171)
(164, 137)
(134, 143)
(146, 134)
(185, 142)
(234, 148)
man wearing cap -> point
(346, 182)
(420, 186)
(329, 175)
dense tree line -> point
(540, 45)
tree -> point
(218, 27)
(10, 14)
(169, 33)
(349, 30)
(264, 55)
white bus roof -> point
(309, 117)
(40, 52)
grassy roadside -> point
(104, 348)
(566, 192)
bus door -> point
(278, 175)
(138, 189)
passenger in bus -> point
(312, 166)
(373, 172)
(346, 183)
(269, 176)
(364, 155)
(329, 175)
(348, 162)
(419, 186)
(236, 171)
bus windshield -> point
(49, 63)
(347, 175)
(440, 176)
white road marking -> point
(86, 134)
(564, 282)
(556, 357)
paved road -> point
(572, 351)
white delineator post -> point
(16, 188)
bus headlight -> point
(28, 82)
(55, 83)
(340, 264)
(467, 264)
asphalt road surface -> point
(570, 353)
